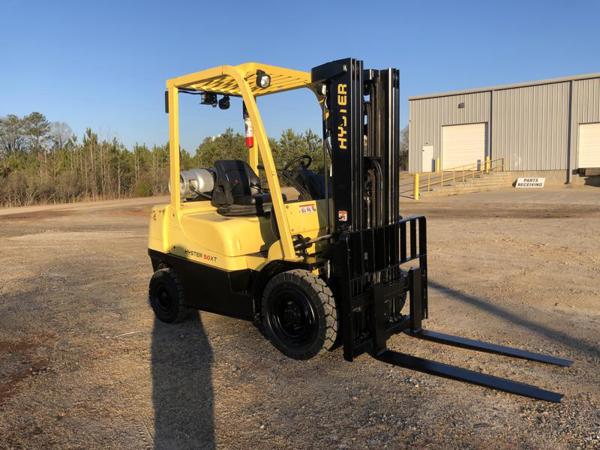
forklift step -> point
(466, 375)
(487, 347)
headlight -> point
(224, 102)
(262, 79)
(208, 98)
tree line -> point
(44, 162)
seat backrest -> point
(238, 177)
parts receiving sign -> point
(530, 182)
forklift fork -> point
(462, 374)
(466, 375)
(487, 347)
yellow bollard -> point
(416, 192)
(437, 165)
(487, 164)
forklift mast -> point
(372, 241)
(363, 130)
(379, 258)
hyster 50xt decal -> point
(342, 129)
(199, 255)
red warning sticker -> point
(307, 209)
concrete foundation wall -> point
(554, 177)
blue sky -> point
(103, 64)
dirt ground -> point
(83, 363)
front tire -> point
(166, 297)
(299, 315)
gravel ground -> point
(83, 363)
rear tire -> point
(166, 297)
(299, 315)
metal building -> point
(549, 125)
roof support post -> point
(174, 169)
(266, 156)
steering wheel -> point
(304, 161)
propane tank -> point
(248, 129)
(195, 181)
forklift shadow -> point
(182, 391)
(514, 317)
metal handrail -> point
(426, 180)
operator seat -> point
(237, 189)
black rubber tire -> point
(165, 295)
(313, 299)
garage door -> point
(463, 144)
(589, 145)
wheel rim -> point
(163, 300)
(292, 317)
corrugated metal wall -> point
(427, 117)
(529, 125)
(585, 109)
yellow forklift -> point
(337, 266)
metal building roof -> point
(507, 86)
